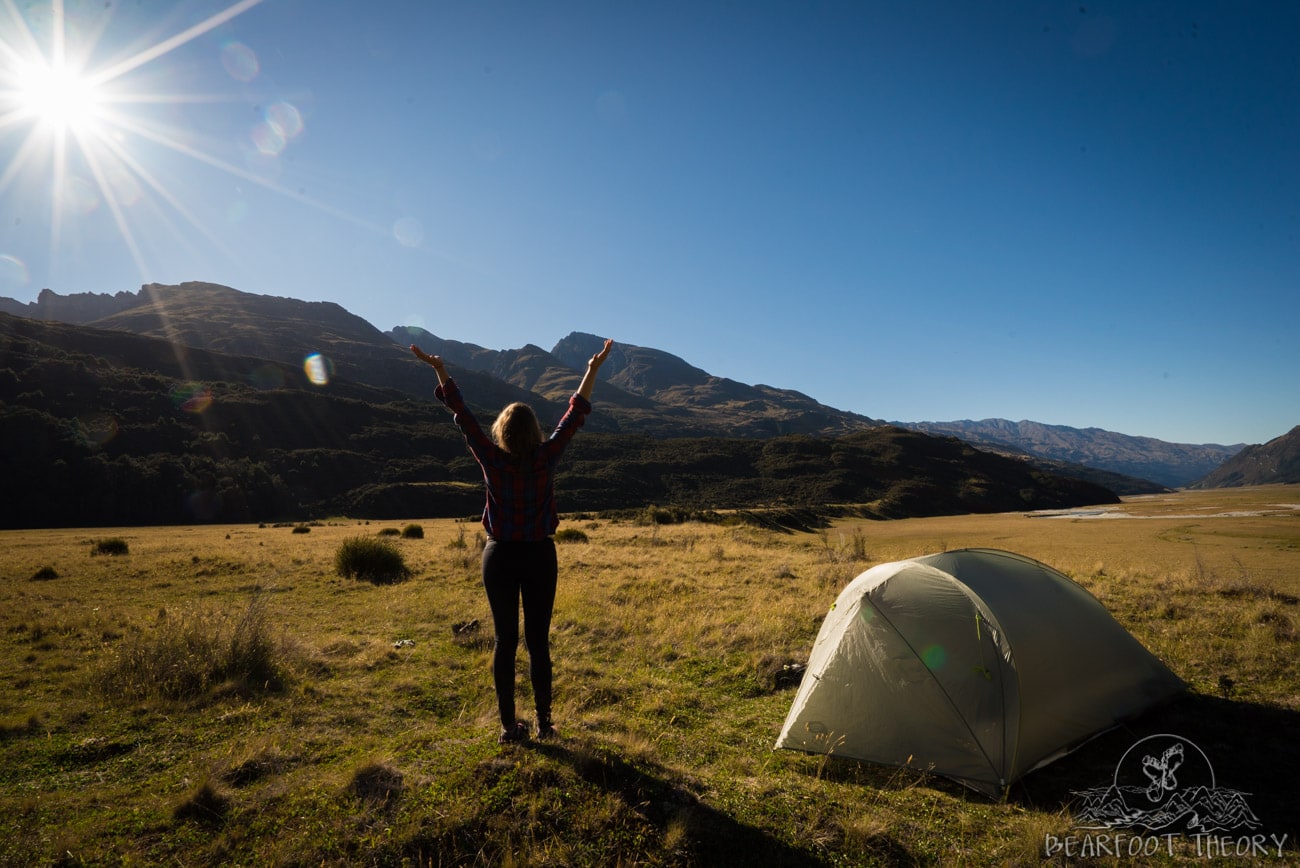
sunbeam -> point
(67, 118)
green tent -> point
(978, 665)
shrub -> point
(301, 528)
(186, 654)
(111, 546)
(570, 535)
(44, 574)
(207, 806)
(660, 515)
(389, 531)
(376, 783)
(373, 560)
(413, 531)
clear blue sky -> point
(1080, 213)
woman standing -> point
(520, 516)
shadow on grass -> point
(1251, 747)
(705, 835)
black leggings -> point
(527, 571)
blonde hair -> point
(517, 430)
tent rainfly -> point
(978, 665)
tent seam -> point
(952, 705)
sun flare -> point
(84, 136)
(58, 96)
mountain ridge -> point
(108, 428)
(1277, 461)
(643, 389)
(1170, 464)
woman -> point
(519, 561)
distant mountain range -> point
(1172, 464)
(81, 377)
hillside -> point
(103, 427)
(1277, 461)
(1169, 464)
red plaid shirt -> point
(520, 495)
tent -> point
(978, 665)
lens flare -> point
(13, 271)
(285, 119)
(203, 505)
(192, 398)
(240, 61)
(408, 231)
(934, 657)
(318, 369)
(267, 140)
(267, 377)
(97, 429)
(281, 122)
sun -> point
(58, 96)
(81, 133)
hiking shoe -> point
(515, 734)
(546, 732)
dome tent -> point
(978, 665)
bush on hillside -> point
(370, 559)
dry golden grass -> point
(378, 747)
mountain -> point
(191, 403)
(648, 391)
(1169, 464)
(1277, 461)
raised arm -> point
(589, 378)
(436, 361)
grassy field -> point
(222, 695)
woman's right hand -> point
(420, 354)
(599, 358)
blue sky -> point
(1082, 213)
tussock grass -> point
(207, 805)
(372, 560)
(111, 546)
(571, 535)
(188, 653)
(676, 646)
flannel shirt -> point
(520, 495)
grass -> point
(370, 559)
(342, 722)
